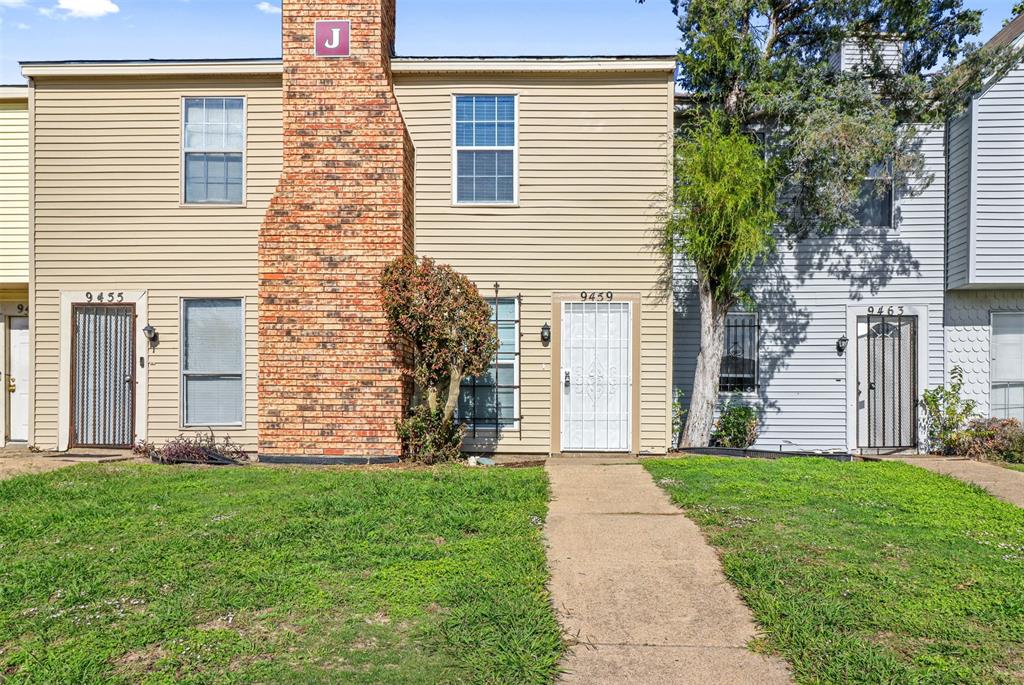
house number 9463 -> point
(891, 310)
(109, 296)
(597, 296)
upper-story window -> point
(485, 149)
(874, 205)
(213, 151)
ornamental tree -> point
(763, 68)
(447, 323)
(721, 222)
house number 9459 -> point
(109, 296)
(597, 296)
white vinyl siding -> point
(213, 154)
(485, 149)
(212, 362)
(1008, 365)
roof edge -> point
(13, 92)
(402, 65)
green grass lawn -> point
(865, 572)
(1015, 467)
(132, 573)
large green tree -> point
(765, 67)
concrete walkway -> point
(18, 460)
(636, 585)
(1006, 484)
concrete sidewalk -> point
(635, 583)
(1006, 484)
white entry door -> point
(17, 379)
(596, 376)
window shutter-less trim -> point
(212, 362)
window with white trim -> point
(491, 400)
(485, 149)
(739, 357)
(213, 150)
(212, 362)
(874, 203)
(1007, 371)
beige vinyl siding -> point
(14, 191)
(593, 171)
(108, 217)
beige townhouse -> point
(206, 235)
(14, 263)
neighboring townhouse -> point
(207, 239)
(14, 263)
(849, 330)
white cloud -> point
(263, 6)
(12, 3)
(85, 9)
(22, 26)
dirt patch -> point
(140, 661)
(18, 460)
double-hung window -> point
(874, 203)
(491, 400)
(739, 360)
(213, 151)
(1007, 368)
(485, 149)
(212, 361)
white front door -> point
(17, 379)
(596, 376)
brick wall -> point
(330, 378)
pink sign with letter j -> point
(332, 38)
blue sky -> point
(136, 29)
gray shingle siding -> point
(803, 293)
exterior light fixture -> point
(841, 344)
(545, 334)
(151, 335)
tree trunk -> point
(704, 396)
(454, 386)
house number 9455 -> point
(109, 296)
(597, 296)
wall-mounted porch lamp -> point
(842, 344)
(545, 334)
(151, 335)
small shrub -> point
(947, 413)
(203, 448)
(431, 437)
(996, 439)
(738, 425)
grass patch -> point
(865, 572)
(136, 573)
(1015, 467)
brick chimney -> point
(330, 378)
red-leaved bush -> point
(998, 439)
(448, 325)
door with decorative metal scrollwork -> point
(597, 376)
(887, 383)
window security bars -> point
(490, 402)
(739, 360)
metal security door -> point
(597, 376)
(17, 378)
(887, 382)
(103, 376)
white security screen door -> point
(596, 376)
(17, 379)
(887, 382)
